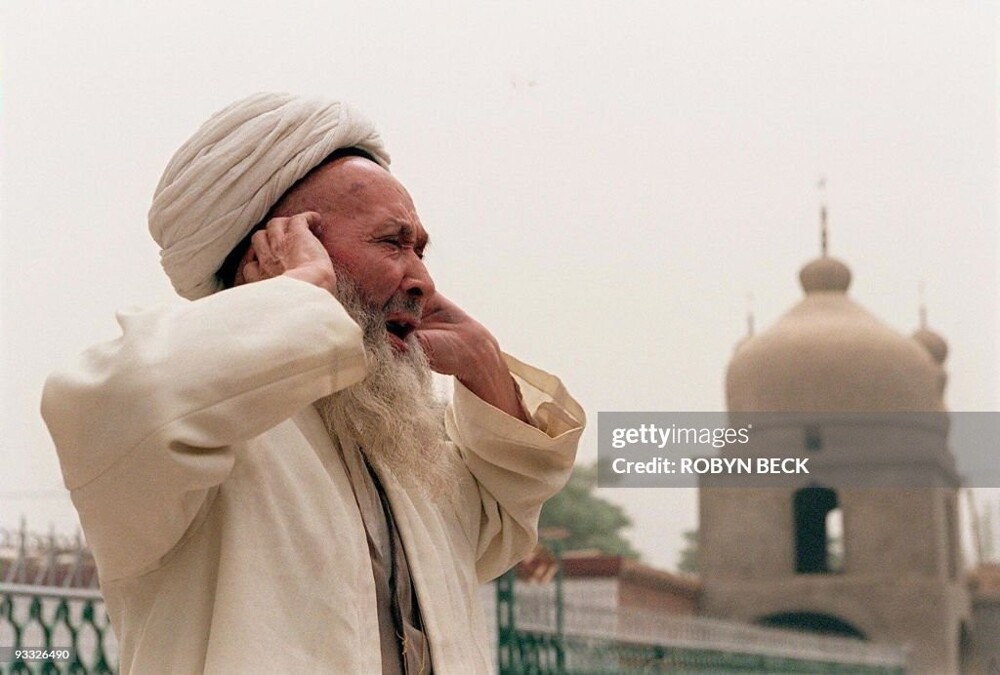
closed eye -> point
(396, 242)
(391, 241)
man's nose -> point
(417, 282)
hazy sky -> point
(605, 183)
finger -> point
(277, 231)
(310, 221)
(251, 271)
(310, 218)
(261, 246)
(438, 315)
(432, 305)
(425, 345)
(277, 225)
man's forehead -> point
(357, 172)
(359, 185)
(357, 179)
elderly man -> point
(263, 474)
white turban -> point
(226, 177)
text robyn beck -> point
(714, 465)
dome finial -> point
(824, 273)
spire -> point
(923, 305)
(824, 274)
(823, 234)
(750, 327)
(934, 343)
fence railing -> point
(52, 616)
(614, 639)
(53, 620)
(54, 630)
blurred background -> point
(611, 187)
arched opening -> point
(813, 622)
(817, 520)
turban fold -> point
(226, 177)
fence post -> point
(507, 661)
(560, 610)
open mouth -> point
(399, 328)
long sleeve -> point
(516, 466)
(145, 425)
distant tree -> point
(592, 522)
(688, 562)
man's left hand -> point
(456, 344)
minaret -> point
(846, 386)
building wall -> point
(745, 534)
(900, 579)
(982, 653)
(920, 614)
(895, 532)
(636, 594)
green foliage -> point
(593, 522)
(689, 554)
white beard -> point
(392, 415)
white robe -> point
(218, 507)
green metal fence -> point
(45, 618)
(536, 653)
(538, 634)
(67, 625)
(49, 601)
(52, 616)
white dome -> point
(829, 354)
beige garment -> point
(221, 516)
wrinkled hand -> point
(451, 338)
(456, 344)
(289, 247)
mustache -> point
(404, 305)
(372, 317)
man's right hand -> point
(289, 247)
